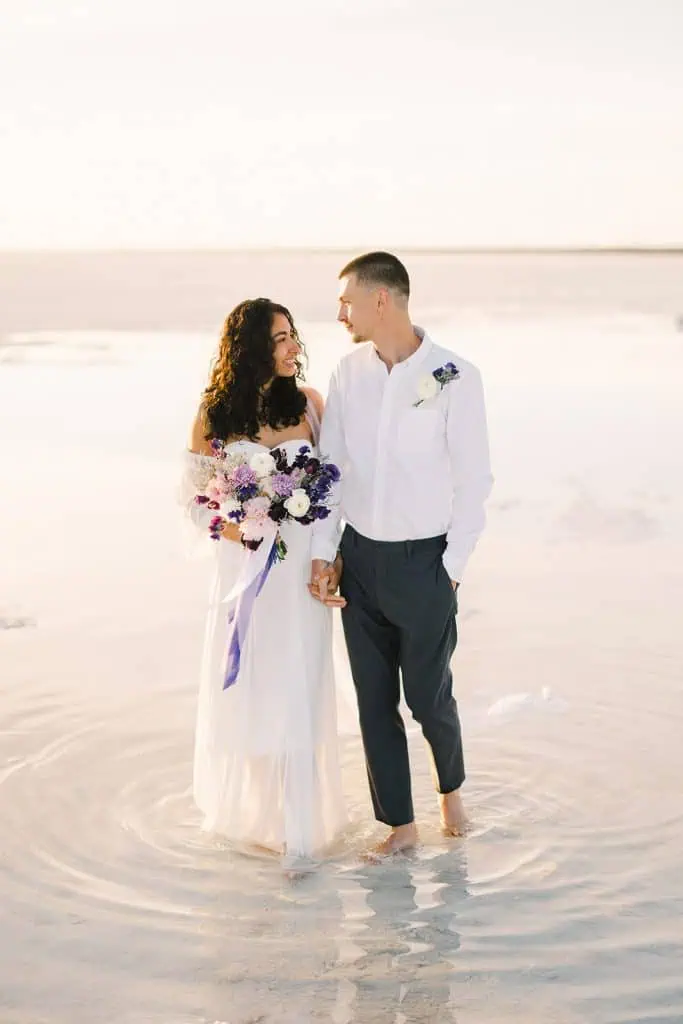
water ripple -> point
(104, 860)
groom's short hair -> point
(379, 269)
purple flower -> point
(282, 485)
(319, 512)
(215, 527)
(246, 492)
(243, 476)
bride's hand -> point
(231, 531)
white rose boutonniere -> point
(427, 388)
(433, 384)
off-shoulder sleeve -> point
(196, 472)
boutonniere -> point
(433, 384)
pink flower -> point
(256, 509)
(256, 512)
(252, 529)
(215, 490)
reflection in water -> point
(401, 921)
(353, 944)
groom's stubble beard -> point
(356, 337)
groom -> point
(405, 421)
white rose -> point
(428, 387)
(230, 505)
(262, 463)
(298, 504)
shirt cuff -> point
(324, 549)
(455, 566)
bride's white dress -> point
(266, 765)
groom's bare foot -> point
(453, 818)
(403, 837)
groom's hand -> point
(325, 581)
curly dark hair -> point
(235, 404)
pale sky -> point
(225, 123)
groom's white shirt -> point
(407, 472)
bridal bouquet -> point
(263, 489)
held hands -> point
(325, 581)
(325, 576)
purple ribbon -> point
(240, 617)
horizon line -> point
(639, 250)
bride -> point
(266, 768)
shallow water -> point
(563, 905)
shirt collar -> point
(417, 357)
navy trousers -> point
(400, 624)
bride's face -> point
(286, 348)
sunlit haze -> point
(439, 123)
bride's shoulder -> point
(200, 445)
(314, 397)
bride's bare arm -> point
(325, 576)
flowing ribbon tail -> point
(240, 617)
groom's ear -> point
(382, 299)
